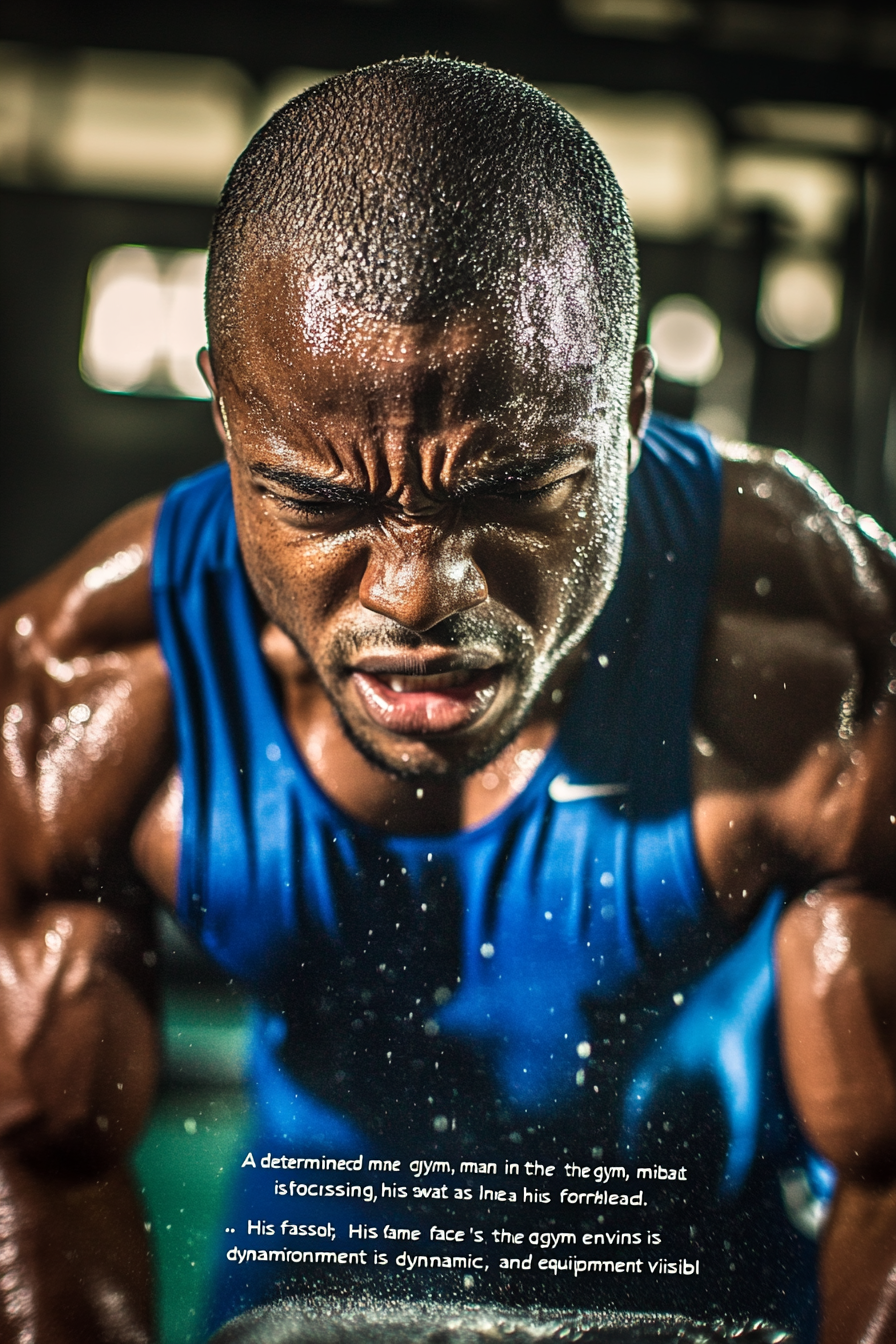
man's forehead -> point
(302, 350)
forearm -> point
(74, 1261)
(77, 1071)
(837, 1003)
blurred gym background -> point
(754, 141)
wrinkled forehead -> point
(513, 348)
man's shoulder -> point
(792, 547)
(86, 719)
(795, 707)
(99, 594)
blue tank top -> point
(553, 987)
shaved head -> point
(422, 294)
(417, 188)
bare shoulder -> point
(85, 715)
(795, 706)
(791, 545)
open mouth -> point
(412, 702)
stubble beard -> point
(512, 647)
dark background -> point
(71, 454)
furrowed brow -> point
(302, 484)
(518, 473)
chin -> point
(436, 757)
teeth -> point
(435, 681)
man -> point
(399, 715)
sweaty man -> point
(484, 726)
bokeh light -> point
(144, 322)
(684, 334)
(799, 299)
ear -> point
(641, 400)
(204, 360)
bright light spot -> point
(799, 300)
(853, 130)
(119, 566)
(487, 950)
(630, 18)
(583, 1049)
(145, 322)
(150, 124)
(185, 288)
(684, 336)
(125, 324)
(811, 196)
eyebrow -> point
(304, 484)
(517, 474)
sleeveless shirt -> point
(553, 987)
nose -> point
(418, 576)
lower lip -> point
(414, 713)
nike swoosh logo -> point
(562, 791)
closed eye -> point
(534, 493)
(332, 511)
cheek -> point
(539, 576)
(302, 581)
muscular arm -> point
(85, 742)
(795, 768)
